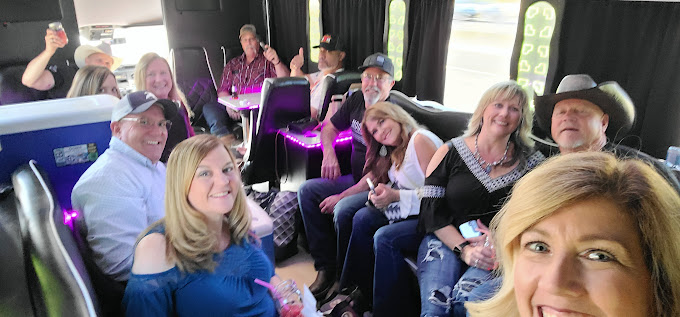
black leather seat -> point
(336, 84)
(283, 101)
(195, 78)
(14, 293)
(58, 282)
(444, 123)
(11, 88)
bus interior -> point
(446, 53)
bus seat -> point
(336, 84)
(14, 295)
(65, 137)
(109, 291)
(58, 281)
(444, 123)
(195, 77)
(283, 101)
(12, 90)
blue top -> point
(228, 291)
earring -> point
(383, 151)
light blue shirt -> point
(120, 195)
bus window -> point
(480, 48)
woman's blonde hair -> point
(189, 242)
(88, 80)
(375, 163)
(506, 90)
(140, 80)
(570, 178)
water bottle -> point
(673, 157)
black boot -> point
(324, 281)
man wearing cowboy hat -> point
(582, 115)
(56, 79)
(331, 54)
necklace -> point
(488, 166)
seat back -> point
(283, 101)
(59, 284)
(15, 297)
(12, 90)
(443, 122)
(195, 77)
(336, 84)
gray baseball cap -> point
(140, 101)
(379, 60)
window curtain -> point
(635, 44)
(360, 23)
(288, 21)
(429, 31)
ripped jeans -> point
(439, 269)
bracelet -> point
(277, 64)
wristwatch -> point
(459, 248)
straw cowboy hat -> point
(83, 51)
(609, 96)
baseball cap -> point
(331, 42)
(140, 101)
(84, 51)
(247, 28)
(379, 60)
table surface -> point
(244, 101)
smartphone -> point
(371, 186)
(469, 229)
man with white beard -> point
(333, 198)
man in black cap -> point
(583, 115)
(328, 204)
(331, 55)
(123, 192)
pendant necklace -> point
(488, 166)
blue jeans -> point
(439, 268)
(321, 228)
(217, 118)
(475, 285)
(392, 291)
(358, 268)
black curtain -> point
(429, 31)
(288, 21)
(360, 23)
(635, 44)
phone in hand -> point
(469, 229)
(371, 186)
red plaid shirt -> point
(248, 78)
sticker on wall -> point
(75, 154)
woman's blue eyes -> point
(228, 169)
(599, 255)
(537, 247)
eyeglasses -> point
(366, 77)
(145, 123)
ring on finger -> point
(476, 263)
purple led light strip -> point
(344, 136)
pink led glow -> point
(344, 136)
(69, 215)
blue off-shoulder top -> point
(228, 291)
